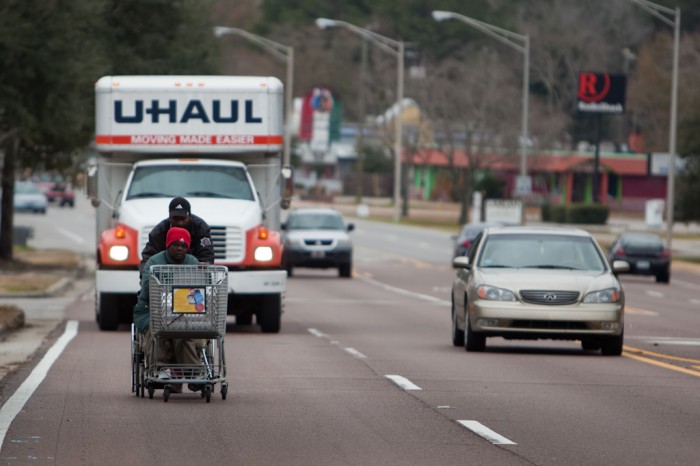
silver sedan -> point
(538, 283)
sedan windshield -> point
(315, 222)
(190, 181)
(541, 252)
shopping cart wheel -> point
(224, 390)
(151, 391)
(142, 378)
(166, 393)
(206, 392)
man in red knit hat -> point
(174, 350)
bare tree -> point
(474, 105)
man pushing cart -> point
(179, 323)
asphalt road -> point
(363, 372)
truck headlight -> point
(119, 253)
(263, 254)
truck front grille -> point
(229, 242)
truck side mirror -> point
(91, 185)
(287, 187)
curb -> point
(58, 287)
(11, 321)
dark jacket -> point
(142, 313)
(200, 234)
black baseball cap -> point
(179, 207)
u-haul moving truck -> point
(216, 141)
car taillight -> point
(466, 243)
(619, 252)
(665, 254)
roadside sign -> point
(523, 185)
(504, 210)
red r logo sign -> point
(590, 89)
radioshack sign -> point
(601, 93)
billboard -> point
(601, 93)
(321, 113)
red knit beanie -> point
(177, 234)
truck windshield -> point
(190, 181)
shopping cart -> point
(188, 302)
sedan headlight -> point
(491, 293)
(610, 295)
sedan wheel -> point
(663, 277)
(612, 346)
(474, 341)
(457, 334)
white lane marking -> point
(17, 401)
(424, 245)
(403, 382)
(695, 301)
(355, 353)
(70, 235)
(667, 340)
(483, 431)
(655, 294)
(678, 342)
(316, 333)
(401, 291)
(442, 289)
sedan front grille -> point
(318, 242)
(549, 297)
(549, 325)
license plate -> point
(322, 254)
(643, 265)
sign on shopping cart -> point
(188, 300)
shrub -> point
(590, 214)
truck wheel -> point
(108, 317)
(270, 313)
(244, 318)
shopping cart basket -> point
(186, 302)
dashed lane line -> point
(483, 431)
(403, 382)
(355, 353)
(316, 333)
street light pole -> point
(516, 41)
(284, 53)
(663, 13)
(394, 47)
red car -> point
(61, 193)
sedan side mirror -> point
(461, 262)
(351, 226)
(620, 266)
